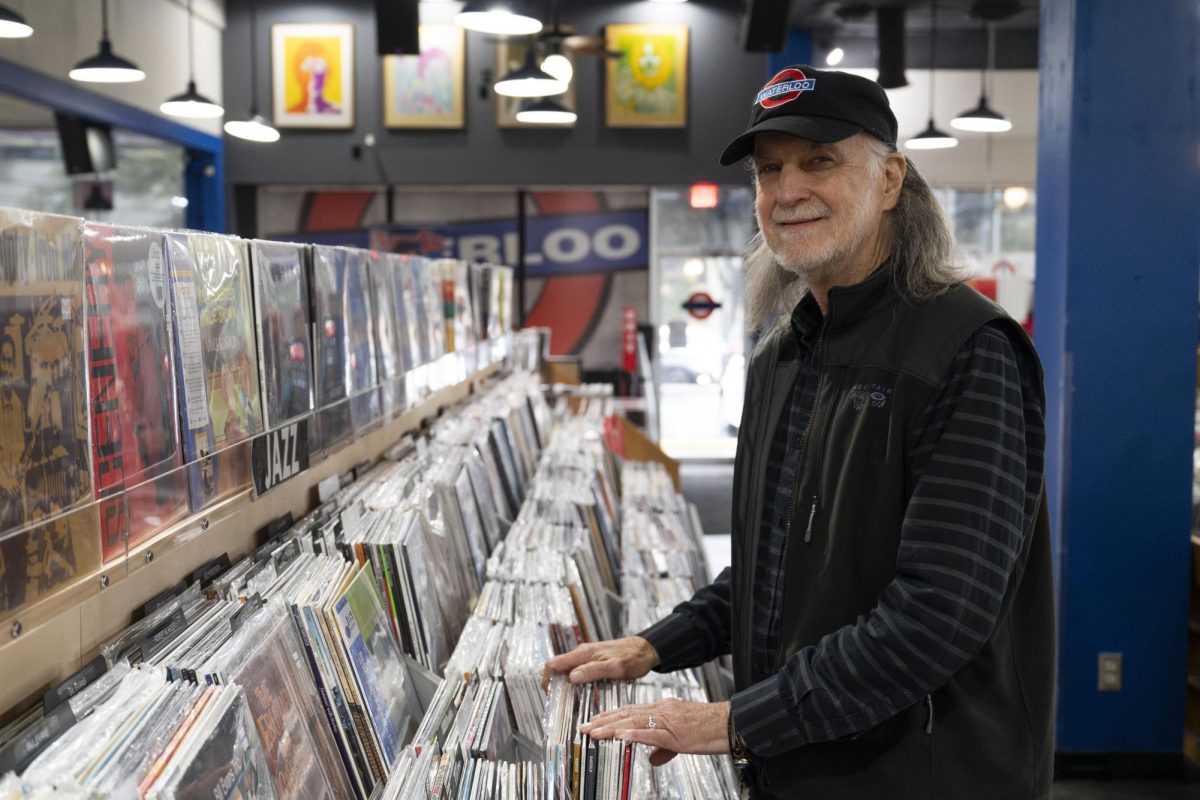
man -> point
(890, 605)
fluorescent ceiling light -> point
(546, 111)
(497, 17)
(13, 25)
(255, 129)
(931, 139)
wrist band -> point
(737, 747)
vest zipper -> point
(929, 705)
(787, 539)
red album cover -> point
(136, 448)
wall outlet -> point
(1109, 674)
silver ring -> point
(651, 722)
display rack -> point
(50, 640)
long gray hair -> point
(922, 253)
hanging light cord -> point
(253, 60)
(191, 46)
(104, 19)
(932, 51)
(991, 68)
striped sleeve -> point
(976, 460)
(697, 631)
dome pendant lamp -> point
(498, 17)
(106, 66)
(546, 111)
(982, 119)
(254, 128)
(932, 138)
(13, 25)
(530, 80)
(191, 104)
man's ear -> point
(895, 167)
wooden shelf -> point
(57, 636)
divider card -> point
(222, 278)
(132, 386)
(45, 457)
(361, 355)
(283, 314)
(329, 346)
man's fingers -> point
(595, 671)
(661, 755)
(568, 661)
(655, 737)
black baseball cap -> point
(818, 105)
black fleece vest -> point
(987, 732)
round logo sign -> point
(787, 85)
(701, 305)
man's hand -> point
(671, 727)
(618, 659)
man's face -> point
(820, 206)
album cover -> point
(45, 456)
(228, 760)
(378, 667)
(429, 282)
(407, 336)
(388, 333)
(329, 347)
(361, 356)
(299, 751)
(132, 387)
(282, 312)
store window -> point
(995, 230)
(697, 308)
(145, 188)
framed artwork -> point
(510, 55)
(426, 91)
(646, 87)
(312, 75)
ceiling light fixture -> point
(254, 129)
(982, 119)
(497, 17)
(835, 56)
(559, 66)
(932, 138)
(529, 81)
(546, 111)
(191, 104)
(106, 66)
(13, 25)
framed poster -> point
(510, 56)
(312, 75)
(646, 87)
(426, 91)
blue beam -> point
(797, 49)
(1116, 326)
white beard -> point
(769, 287)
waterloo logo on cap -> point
(785, 87)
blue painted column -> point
(797, 49)
(1116, 325)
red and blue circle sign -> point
(786, 86)
(701, 305)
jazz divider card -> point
(284, 317)
(45, 465)
(136, 445)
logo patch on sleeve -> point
(786, 86)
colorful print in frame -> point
(426, 91)
(312, 75)
(646, 87)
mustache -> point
(799, 215)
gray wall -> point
(722, 80)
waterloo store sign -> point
(555, 245)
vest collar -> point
(847, 305)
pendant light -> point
(530, 80)
(545, 111)
(13, 25)
(982, 119)
(254, 128)
(106, 66)
(498, 17)
(191, 104)
(932, 138)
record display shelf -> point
(50, 640)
